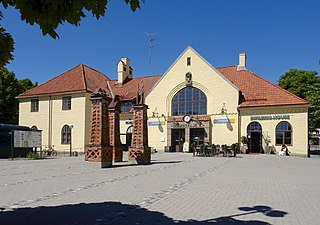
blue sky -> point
(276, 36)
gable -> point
(200, 69)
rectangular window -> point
(126, 106)
(66, 103)
(188, 61)
(34, 105)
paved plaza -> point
(176, 188)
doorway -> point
(254, 132)
(177, 139)
(128, 138)
(255, 142)
(197, 135)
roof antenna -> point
(150, 44)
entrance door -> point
(197, 135)
(255, 142)
(254, 132)
(128, 138)
(177, 139)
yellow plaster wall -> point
(39, 119)
(78, 116)
(298, 120)
(217, 89)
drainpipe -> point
(239, 128)
(50, 124)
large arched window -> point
(283, 133)
(189, 100)
(65, 135)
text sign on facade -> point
(129, 122)
(26, 139)
(274, 117)
(191, 125)
(231, 120)
(157, 123)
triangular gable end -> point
(204, 60)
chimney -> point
(124, 71)
(242, 61)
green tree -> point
(10, 88)
(306, 85)
(26, 84)
(49, 14)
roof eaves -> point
(274, 106)
(52, 94)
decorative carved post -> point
(139, 151)
(99, 150)
(114, 129)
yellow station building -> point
(191, 102)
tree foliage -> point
(49, 14)
(6, 45)
(306, 85)
(10, 88)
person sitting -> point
(284, 150)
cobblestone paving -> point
(174, 189)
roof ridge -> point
(83, 76)
(278, 87)
(221, 67)
(96, 71)
(135, 78)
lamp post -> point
(70, 127)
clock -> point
(187, 118)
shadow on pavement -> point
(128, 164)
(117, 213)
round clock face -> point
(187, 118)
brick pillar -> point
(99, 150)
(139, 151)
(114, 133)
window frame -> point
(125, 106)
(188, 61)
(283, 133)
(66, 103)
(34, 107)
(189, 100)
(65, 135)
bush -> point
(33, 155)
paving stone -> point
(175, 189)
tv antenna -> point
(151, 40)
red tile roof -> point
(129, 89)
(257, 91)
(80, 78)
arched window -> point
(65, 135)
(283, 133)
(189, 100)
(254, 127)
